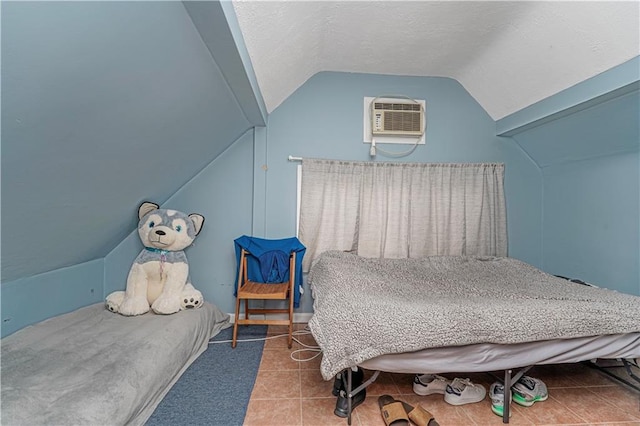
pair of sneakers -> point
(526, 391)
(456, 392)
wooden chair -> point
(251, 290)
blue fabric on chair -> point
(269, 261)
(274, 266)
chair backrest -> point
(269, 260)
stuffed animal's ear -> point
(198, 221)
(145, 208)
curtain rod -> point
(292, 158)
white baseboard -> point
(299, 318)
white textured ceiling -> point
(508, 55)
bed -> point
(446, 314)
(94, 367)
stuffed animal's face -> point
(170, 230)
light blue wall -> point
(324, 119)
(222, 193)
(29, 300)
(592, 221)
(588, 154)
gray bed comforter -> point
(364, 308)
(94, 367)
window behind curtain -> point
(401, 210)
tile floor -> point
(291, 393)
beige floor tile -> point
(589, 406)
(551, 411)
(278, 343)
(312, 385)
(591, 377)
(278, 359)
(557, 375)
(273, 412)
(481, 414)
(615, 424)
(306, 338)
(310, 360)
(278, 329)
(625, 399)
(319, 412)
(277, 385)
(404, 382)
(384, 384)
(368, 413)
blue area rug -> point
(216, 388)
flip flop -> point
(419, 415)
(393, 412)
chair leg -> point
(290, 342)
(235, 325)
(235, 335)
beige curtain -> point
(399, 210)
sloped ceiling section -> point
(580, 136)
(104, 105)
(508, 55)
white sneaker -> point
(463, 391)
(428, 384)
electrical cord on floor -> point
(257, 339)
(303, 332)
(307, 348)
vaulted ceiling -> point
(507, 54)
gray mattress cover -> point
(94, 367)
(364, 308)
(483, 357)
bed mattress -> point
(94, 367)
(366, 308)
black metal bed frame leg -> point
(506, 405)
(351, 392)
(349, 395)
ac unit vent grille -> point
(402, 122)
(397, 118)
(397, 107)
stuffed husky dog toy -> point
(159, 276)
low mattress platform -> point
(94, 367)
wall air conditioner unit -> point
(397, 118)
